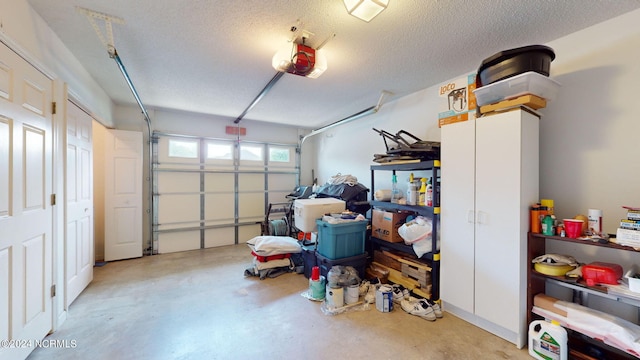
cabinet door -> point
(506, 151)
(457, 214)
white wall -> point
(589, 135)
(349, 148)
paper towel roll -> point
(382, 195)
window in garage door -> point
(214, 192)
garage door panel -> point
(250, 182)
(219, 182)
(217, 207)
(281, 182)
(278, 196)
(175, 208)
(251, 205)
(166, 160)
(176, 182)
(178, 241)
(247, 232)
(188, 225)
(219, 237)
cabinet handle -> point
(483, 217)
(470, 216)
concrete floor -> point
(199, 305)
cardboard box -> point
(385, 224)
(457, 101)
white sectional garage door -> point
(213, 192)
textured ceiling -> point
(214, 56)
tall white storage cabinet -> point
(489, 178)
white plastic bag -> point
(416, 230)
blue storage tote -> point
(309, 257)
(342, 240)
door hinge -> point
(53, 290)
(53, 108)
(53, 199)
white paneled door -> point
(123, 195)
(26, 217)
(79, 215)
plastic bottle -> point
(395, 192)
(429, 194)
(548, 341)
(547, 225)
(422, 193)
(412, 192)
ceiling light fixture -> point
(365, 10)
(300, 59)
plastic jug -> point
(548, 340)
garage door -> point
(212, 192)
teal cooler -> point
(342, 240)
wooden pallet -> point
(387, 259)
(418, 273)
(425, 293)
(412, 285)
(396, 277)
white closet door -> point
(26, 217)
(457, 215)
(123, 195)
(506, 146)
(497, 241)
(79, 214)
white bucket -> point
(335, 296)
(548, 341)
(351, 294)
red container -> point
(573, 228)
(601, 273)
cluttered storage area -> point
(457, 227)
